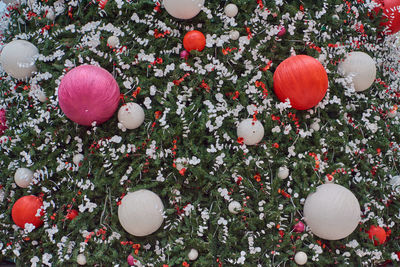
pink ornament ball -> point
(282, 31)
(131, 260)
(88, 94)
(184, 54)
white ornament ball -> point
(183, 9)
(113, 41)
(395, 182)
(251, 131)
(23, 177)
(335, 17)
(193, 254)
(300, 258)
(50, 14)
(141, 212)
(332, 212)
(315, 126)
(81, 259)
(283, 172)
(392, 114)
(231, 10)
(77, 158)
(361, 67)
(18, 59)
(234, 207)
(131, 115)
(234, 35)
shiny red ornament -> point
(302, 79)
(25, 210)
(378, 234)
(194, 40)
(71, 214)
(390, 15)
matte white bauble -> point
(131, 115)
(234, 207)
(183, 9)
(193, 254)
(234, 35)
(231, 10)
(361, 67)
(300, 258)
(113, 41)
(18, 59)
(395, 182)
(77, 158)
(141, 212)
(315, 126)
(81, 259)
(283, 172)
(332, 212)
(23, 177)
(252, 131)
(392, 114)
(50, 14)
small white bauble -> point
(23, 177)
(193, 254)
(18, 59)
(251, 131)
(336, 17)
(231, 10)
(131, 115)
(77, 158)
(395, 181)
(113, 41)
(141, 212)
(234, 207)
(283, 172)
(50, 14)
(332, 212)
(234, 35)
(392, 114)
(183, 9)
(81, 259)
(300, 258)
(361, 67)
(315, 126)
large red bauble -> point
(378, 234)
(390, 16)
(302, 79)
(194, 40)
(25, 210)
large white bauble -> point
(234, 207)
(231, 10)
(183, 9)
(300, 258)
(23, 177)
(193, 254)
(141, 212)
(131, 115)
(18, 59)
(332, 212)
(361, 67)
(283, 172)
(81, 259)
(113, 41)
(251, 131)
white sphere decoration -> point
(113, 41)
(251, 131)
(283, 172)
(23, 177)
(392, 114)
(77, 158)
(315, 126)
(81, 259)
(300, 258)
(332, 212)
(361, 67)
(183, 9)
(141, 212)
(50, 14)
(395, 182)
(335, 17)
(131, 115)
(234, 207)
(193, 254)
(231, 10)
(18, 59)
(234, 35)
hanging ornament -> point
(300, 258)
(390, 16)
(25, 209)
(184, 54)
(183, 9)
(234, 35)
(361, 67)
(299, 227)
(332, 212)
(130, 260)
(50, 14)
(113, 41)
(193, 254)
(231, 10)
(131, 115)
(18, 59)
(282, 31)
(194, 40)
(141, 212)
(378, 234)
(283, 172)
(81, 259)
(77, 159)
(88, 94)
(234, 207)
(301, 79)
(23, 177)
(252, 131)
(315, 126)
(72, 214)
(392, 113)
(395, 182)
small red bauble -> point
(71, 214)
(194, 40)
(25, 210)
(302, 79)
(378, 234)
(390, 15)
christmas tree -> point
(231, 195)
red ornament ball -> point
(390, 15)
(71, 214)
(302, 79)
(378, 234)
(25, 210)
(194, 40)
